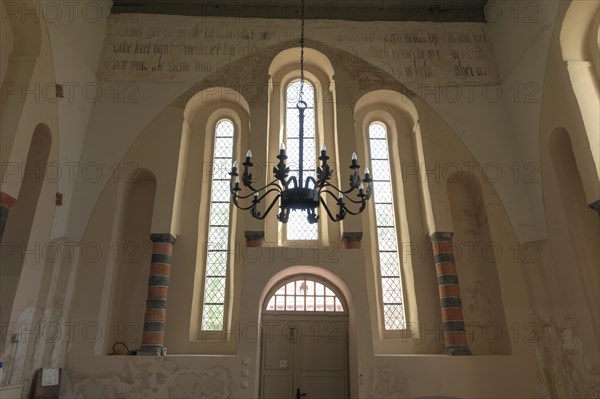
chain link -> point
(301, 51)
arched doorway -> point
(304, 340)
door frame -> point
(341, 290)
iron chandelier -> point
(296, 193)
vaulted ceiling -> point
(354, 10)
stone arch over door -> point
(304, 319)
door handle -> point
(298, 394)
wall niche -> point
(133, 253)
(476, 255)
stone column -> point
(453, 321)
(6, 202)
(155, 316)
(351, 240)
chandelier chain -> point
(301, 51)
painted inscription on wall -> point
(187, 49)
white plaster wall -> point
(521, 33)
(481, 122)
(113, 127)
(77, 31)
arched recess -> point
(202, 113)
(319, 72)
(580, 46)
(132, 251)
(21, 219)
(400, 117)
(342, 288)
(476, 256)
(581, 221)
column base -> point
(150, 350)
(458, 351)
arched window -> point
(298, 227)
(305, 294)
(218, 243)
(386, 232)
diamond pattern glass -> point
(387, 240)
(217, 248)
(220, 169)
(212, 317)
(220, 191)
(216, 264)
(298, 228)
(305, 295)
(388, 263)
(393, 316)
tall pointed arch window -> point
(298, 227)
(386, 233)
(218, 243)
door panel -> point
(277, 386)
(322, 386)
(317, 353)
(277, 370)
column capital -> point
(254, 238)
(441, 236)
(6, 201)
(351, 239)
(595, 206)
(163, 237)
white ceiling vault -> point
(354, 10)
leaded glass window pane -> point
(217, 248)
(304, 295)
(298, 227)
(387, 240)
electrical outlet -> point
(244, 384)
(244, 372)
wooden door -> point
(304, 355)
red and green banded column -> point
(453, 321)
(155, 316)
